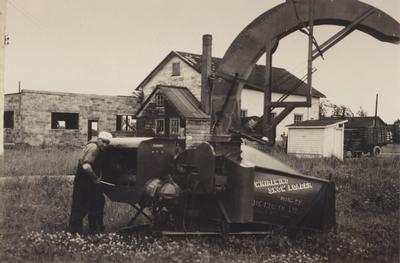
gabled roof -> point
(180, 98)
(282, 80)
(316, 123)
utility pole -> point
(376, 110)
(19, 86)
(310, 49)
(3, 36)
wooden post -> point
(310, 49)
(266, 121)
(376, 110)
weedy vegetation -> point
(35, 211)
(28, 161)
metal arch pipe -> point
(280, 21)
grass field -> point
(38, 161)
(34, 215)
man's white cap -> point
(105, 136)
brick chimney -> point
(205, 73)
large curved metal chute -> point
(275, 24)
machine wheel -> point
(376, 151)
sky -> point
(109, 47)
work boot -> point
(75, 227)
(96, 224)
(99, 223)
(92, 224)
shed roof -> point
(317, 123)
(181, 99)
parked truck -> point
(366, 140)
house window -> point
(160, 127)
(243, 113)
(64, 120)
(126, 123)
(176, 69)
(9, 119)
(159, 99)
(298, 118)
(174, 125)
(273, 115)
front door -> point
(93, 129)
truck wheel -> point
(376, 151)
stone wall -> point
(12, 102)
(189, 78)
(36, 108)
(197, 131)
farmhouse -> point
(182, 69)
(43, 118)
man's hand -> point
(88, 168)
(96, 180)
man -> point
(87, 197)
(284, 141)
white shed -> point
(316, 138)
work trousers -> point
(87, 199)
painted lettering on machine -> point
(281, 185)
(283, 198)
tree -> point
(341, 111)
(327, 108)
(323, 108)
(362, 113)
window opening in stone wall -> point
(176, 69)
(126, 123)
(160, 127)
(243, 113)
(64, 120)
(298, 118)
(159, 99)
(9, 119)
(174, 126)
